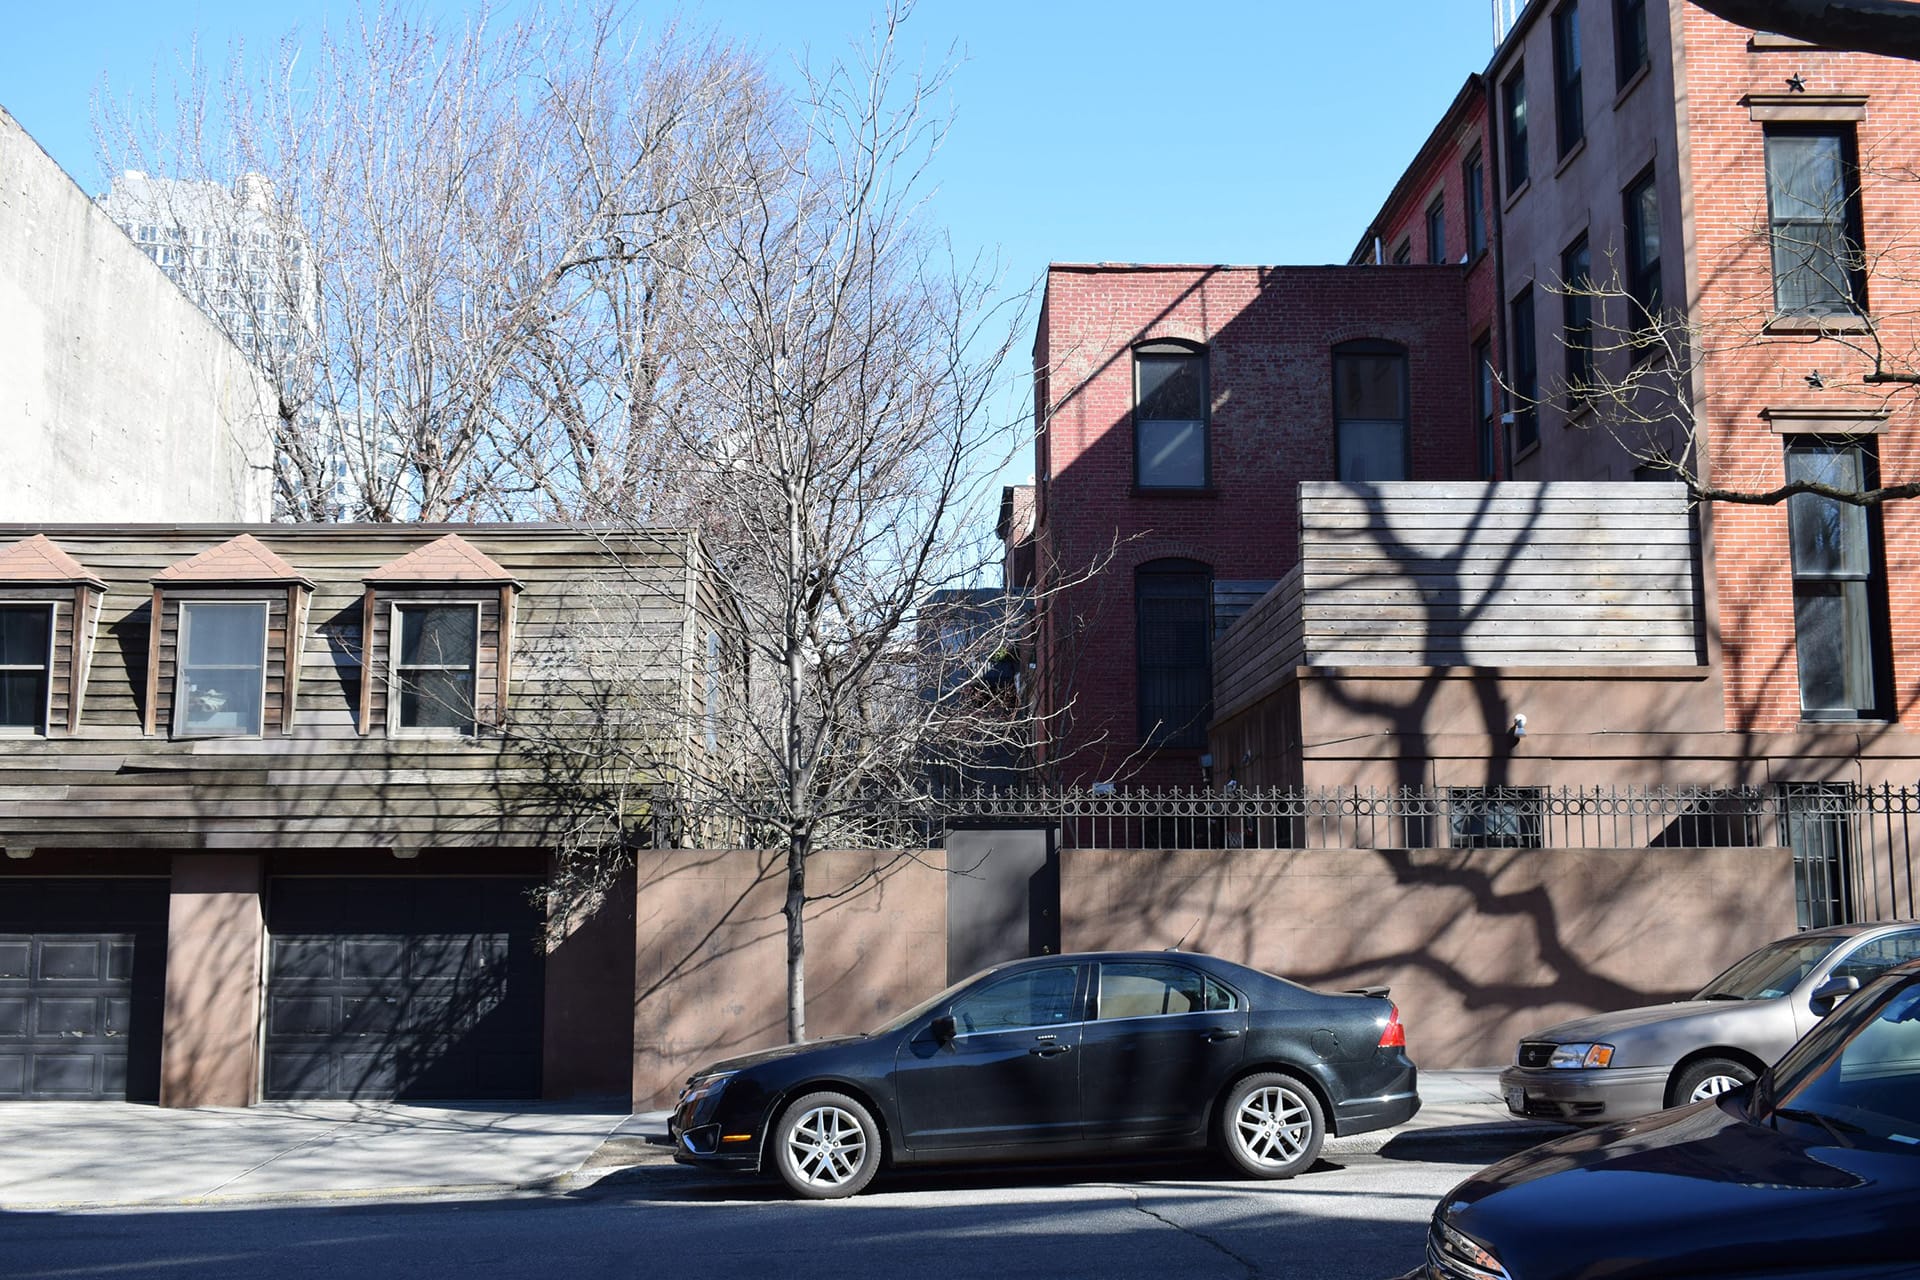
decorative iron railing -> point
(1852, 845)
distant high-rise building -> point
(248, 264)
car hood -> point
(764, 1056)
(1602, 1026)
(1696, 1191)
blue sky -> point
(1118, 131)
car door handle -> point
(1216, 1034)
(1049, 1050)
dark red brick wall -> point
(1269, 332)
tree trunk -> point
(796, 937)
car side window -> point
(1872, 959)
(1144, 989)
(1036, 998)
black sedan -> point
(1812, 1171)
(1063, 1056)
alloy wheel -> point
(1713, 1086)
(827, 1146)
(1273, 1125)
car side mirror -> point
(944, 1028)
(1832, 992)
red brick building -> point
(1741, 210)
(1180, 408)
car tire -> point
(1271, 1125)
(825, 1146)
(1709, 1078)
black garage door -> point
(82, 986)
(395, 987)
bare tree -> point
(477, 229)
(1790, 288)
(843, 455)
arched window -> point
(1170, 415)
(1370, 411)
(1173, 612)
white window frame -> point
(181, 665)
(394, 728)
(46, 702)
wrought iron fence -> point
(1852, 845)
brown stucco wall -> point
(1480, 946)
(209, 1049)
(710, 954)
(587, 1036)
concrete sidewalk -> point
(101, 1154)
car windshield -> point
(928, 1005)
(1773, 970)
(1858, 1077)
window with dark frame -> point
(1576, 308)
(1370, 411)
(1486, 405)
(1513, 113)
(1642, 202)
(1525, 386)
(1437, 231)
(1173, 607)
(1569, 107)
(1403, 255)
(220, 687)
(1838, 580)
(1813, 210)
(1170, 416)
(435, 659)
(1629, 39)
(26, 657)
(1474, 177)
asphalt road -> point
(1360, 1216)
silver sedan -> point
(1614, 1065)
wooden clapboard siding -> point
(590, 609)
(1504, 575)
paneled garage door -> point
(397, 987)
(82, 984)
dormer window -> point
(26, 651)
(436, 657)
(437, 642)
(220, 686)
(223, 655)
(49, 608)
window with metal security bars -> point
(1817, 821)
(1813, 210)
(26, 652)
(1494, 817)
(1173, 603)
(436, 650)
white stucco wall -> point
(119, 400)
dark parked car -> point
(1611, 1066)
(1063, 1056)
(1812, 1171)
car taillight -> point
(1393, 1035)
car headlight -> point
(1452, 1253)
(705, 1088)
(1572, 1056)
